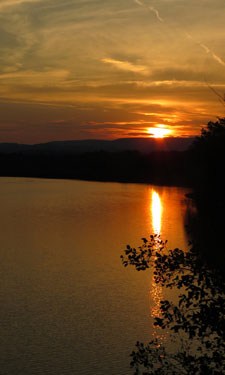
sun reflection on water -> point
(156, 212)
(156, 294)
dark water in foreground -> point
(67, 304)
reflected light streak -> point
(156, 212)
(156, 293)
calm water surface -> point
(67, 304)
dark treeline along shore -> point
(163, 161)
(159, 167)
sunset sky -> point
(79, 69)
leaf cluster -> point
(199, 313)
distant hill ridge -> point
(144, 145)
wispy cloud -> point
(36, 75)
(10, 3)
(173, 83)
(35, 79)
(127, 66)
(140, 122)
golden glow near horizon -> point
(159, 132)
(92, 69)
(156, 212)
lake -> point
(68, 306)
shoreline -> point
(107, 180)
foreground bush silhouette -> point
(199, 314)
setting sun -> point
(159, 132)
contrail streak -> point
(154, 10)
(138, 2)
(217, 58)
(214, 56)
(203, 46)
(151, 8)
(207, 50)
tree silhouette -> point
(206, 165)
(213, 130)
(207, 160)
(199, 314)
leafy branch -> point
(199, 313)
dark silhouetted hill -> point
(143, 145)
